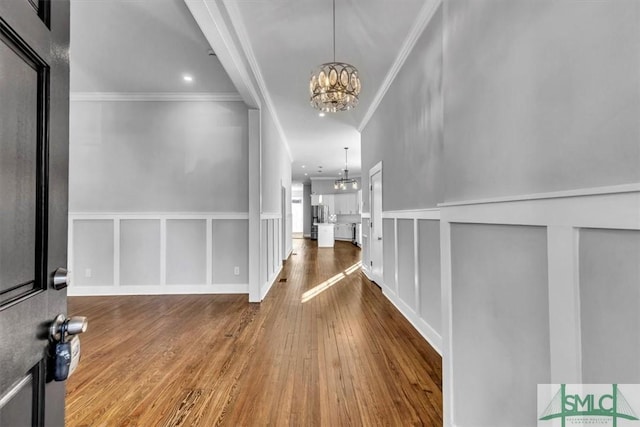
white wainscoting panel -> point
(271, 224)
(104, 246)
(584, 286)
(406, 269)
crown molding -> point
(243, 37)
(156, 96)
(423, 19)
(213, 25)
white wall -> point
(410, 115)
(158, 157)
(548, 100)
(275, 174)
(531, 167)
(147, 178)
(406, 131)
(539, 98)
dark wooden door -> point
(34, 117)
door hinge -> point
(371, 187)
(371, 263)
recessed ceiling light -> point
(321, 114)
(339, 173)
(187, 78)
(304, 166)
(306, 174)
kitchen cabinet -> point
(344, 232)
(329, 201)
(352, 204)
(339, 202)
(346, 204)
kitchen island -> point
(325, 235)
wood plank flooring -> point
(325, 348)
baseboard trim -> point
(427, 332)
(366, 272)
(266, 287)
(105, 290)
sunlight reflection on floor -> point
(318, 289)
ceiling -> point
(141, 46)
(148, 45)
(285, 39)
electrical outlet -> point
(236, 270)
(87, 272)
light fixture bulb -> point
(187, 78)
(355, 185)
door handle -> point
(61, 327)
(379, 238)
(61, 278)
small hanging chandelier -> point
(334, 86)
(342, 183)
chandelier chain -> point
(345, 158)
(334, 30)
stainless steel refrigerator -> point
(318, 215)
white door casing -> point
(375, 241)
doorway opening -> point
(297, 212)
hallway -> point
(324, 348)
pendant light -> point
(334, 86)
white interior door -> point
(375, 248)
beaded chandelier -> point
(334, 86)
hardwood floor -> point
(325, 348)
